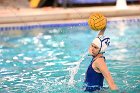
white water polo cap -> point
(102, 42)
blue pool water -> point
(53, 59)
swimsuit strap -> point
(102, 57)
(98, 57)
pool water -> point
(55, 59)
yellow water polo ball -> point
(97, 21)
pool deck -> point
(22, 14)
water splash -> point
(74, 70)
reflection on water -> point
(54, 60)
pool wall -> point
(29, 26)
(14, 15)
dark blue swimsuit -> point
(93, 80)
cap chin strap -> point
(100, 47)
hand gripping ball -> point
(97, 21)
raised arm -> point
(102, 31)
(101, 65)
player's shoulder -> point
(100, 60)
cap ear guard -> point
(105, 43)
(106, 40)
